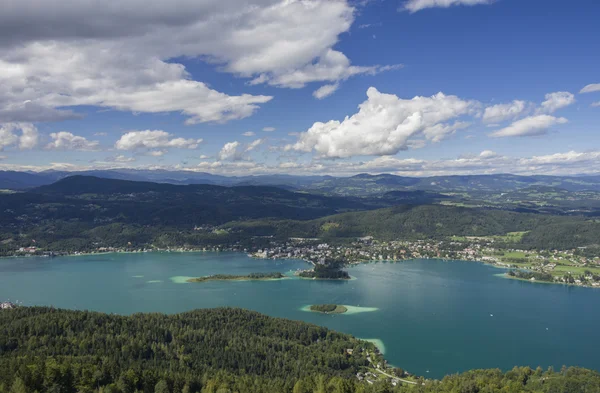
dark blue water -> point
(435, 316)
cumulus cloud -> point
(153, 139)
(51, 75)
(441, 131)
(594, 87)
(502, 112)
(596, 104)
(269, 129)
(248, 133)
(556, 101)
(488, 154)
(383, 125)
(123, 60)
(235, 151)
(417, 5)
(230, 151)
(67, 141)
(325, 91)
(22, 136)
(529, 126)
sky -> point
(338, 87)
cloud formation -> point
(230, 151)
(23, 136)
(325, 91)
(529, 126)
(418, 5)
(122, 60)
(502, 112)
(234, 151)
(594, 87)
(556, 101)
(67, 141)
(383, 125)
(153, 139)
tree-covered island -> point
(328, 308)
(326, 270)
(233, 277)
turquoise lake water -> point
(431, 317)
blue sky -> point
(264, 86)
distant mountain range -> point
(359, 185)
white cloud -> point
(488, 154)
(100, 134)
(383, 125)
(325, 91)
(152, 139)
(157, 153)
(569, 158)
(594, 87)
(2, 158)
(23, 136)
(120, 159)
(441, 131)
(53, 75)
(417, 5)
(596, 104)
(248, 133)
(269, 129)
(123, 60)
(331, 66)
(529, 126)
(253, 145)
(556, 101)
(230, 151)
(486, 162)
(67, 141)
(502, 112)
(234, 151)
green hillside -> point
(218, 351)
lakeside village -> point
(573, 267)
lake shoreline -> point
(253, 256)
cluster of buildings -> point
(7, 305)
(367, 249)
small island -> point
(331, 271)
(232, 277)
(328, 308)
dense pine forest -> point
(217, 351)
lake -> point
(431, 317)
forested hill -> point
(84, 198)
(416, 222)
(83, 213)
(217, 351)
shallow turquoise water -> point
(434, 316)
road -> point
(391, 376)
